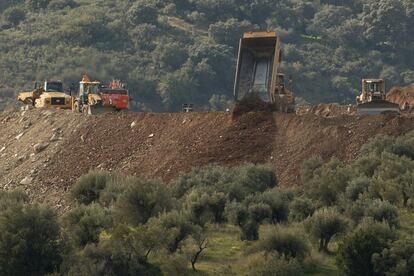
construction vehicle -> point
(94, 98)
(372, 100)
(258, 71)
(50, 95)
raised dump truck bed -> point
(257, 65)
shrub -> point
(141, 200)
(88, 187)
(396, 260)
(205, 207)
(61, 4)
(324, 225)
(12, 199)
(28, 240)
(181, 225)
(355, 252)
(328, 183)
(14, 15)
(383, 211)
(115, 256)
(84, 224)
(258, 212)
(271, 264)
(142, 12)
(309, 166)
(357, 187)
(287, 241)
(278, 201)
(300, 209)
(251, 179)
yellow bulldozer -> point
(258, 71)
(372, 100)
(48, 95)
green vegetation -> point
(346, 219)
(174, 52)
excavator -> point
(258, 71)
(372, 100)
(50, 95)
(95, 98)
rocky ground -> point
(44, 151)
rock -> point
(40, 147)
(133, 124)
(19, 136)
(22, 158)
(151, 135)
(26, 181)
(54, 137)
(27, 125)
(2, 149)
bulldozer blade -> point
(97, 109)
(377, 107)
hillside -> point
(175, 52)
(43, 152)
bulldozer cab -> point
(374, 87)
(53, 86)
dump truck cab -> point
(50, 94)
(372, 99)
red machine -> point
(115, 95)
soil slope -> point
(43, 152)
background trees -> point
(172, 52)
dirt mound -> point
(252, 103)
(327, 110)
(404, 97)
(43, 152)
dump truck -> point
(48, 95)
(372, 100)
(258, 71)
(95, 98)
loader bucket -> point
(377, 107)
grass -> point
(225, 254)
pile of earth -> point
(44, 152)
(402, 96)
(327, 110)
(250, 103)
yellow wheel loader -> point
(258, 71)
(372, 100)
(50, 95)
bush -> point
(14, 15)
(309, 166)
(357, 187)
(28, 240)
(396, 260)
(181, 225)
(300, 209)
(271, 264)
(141, 200)
(278, 201)
(383, 211)
(142, 12)
(61, 4)
(12, 199)
(328, 183)
(287, 241)
(355, 252)
(84, 224)
(205, 207)
(88, 187)
(324, 225)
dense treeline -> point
(122, 225)
(183, 51)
